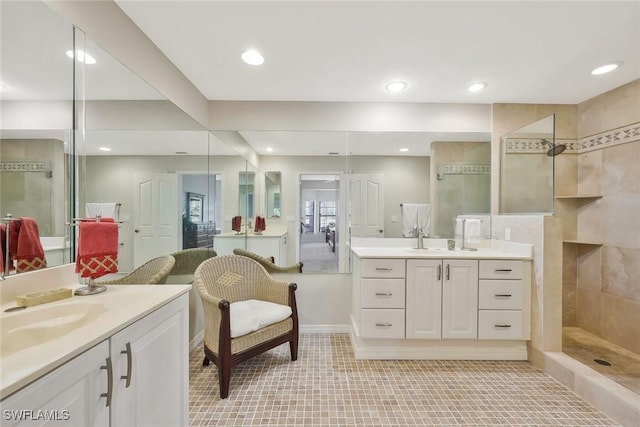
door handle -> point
(448, 272)
(439, 272)
(136, 230)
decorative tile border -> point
(610, 138)
(23, 167)
(466, 169)
(536, 146)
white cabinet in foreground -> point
(137, 377)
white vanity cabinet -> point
(73, 395)
(269, 244)
(150, 369)
(465, 306)
(142, 370)
(501, 315)
(442, 299)
(382, 301)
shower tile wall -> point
(608, 277)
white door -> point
(156, 216)
(367, 205)
(460, 299)
(424, 298)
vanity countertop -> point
(120, 306)
(495, 251)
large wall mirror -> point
(339, 185)
(36, 105)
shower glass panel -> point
(527, 168)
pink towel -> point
(29, 254)
(97, 248)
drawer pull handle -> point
(502, 326)
(383, 294)
(439, 272)
(503, 295)
(384, 325)
(503, 270)
(383, 269)
(129, 365)
(448, 271)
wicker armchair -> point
(268, 263)
(152, 272)
(187, 261)
(224, 280)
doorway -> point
(319, 219)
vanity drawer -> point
(500, 269)
(500, 325)
(382, 293)
(500, 294)
(382, 323)
(387, 268)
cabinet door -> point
(460, 299)
(424, 298)
(71, 395)
(151, 369)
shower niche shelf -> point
(582, 242)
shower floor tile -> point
(586, 347)
(327, 386)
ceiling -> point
(528, 52)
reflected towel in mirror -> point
(25, 238)
(236, 223)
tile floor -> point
(326, 386)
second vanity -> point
(440, 304)
(271, 243)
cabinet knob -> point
(136, 230)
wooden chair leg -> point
(224, 377)
(293, 346)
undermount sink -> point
(40, 324)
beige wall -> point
(607, 277)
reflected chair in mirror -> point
(268, 263)
(246, 313)
(187, 261)
(152, 272)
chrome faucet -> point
(421, 236)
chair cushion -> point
(250, 315)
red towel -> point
(97, 248)
(236, 223)
(3, 244)
(28, 254)
(260, 224)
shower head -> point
(555, 149)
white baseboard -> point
(196, 340)
(324, 329)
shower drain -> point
(602, 362)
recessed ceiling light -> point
(477, 87)
(604, 69)
(104, 149)
(396, 86)
(252, 57)
(269, 149)
(82, 57)
(404, 149)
